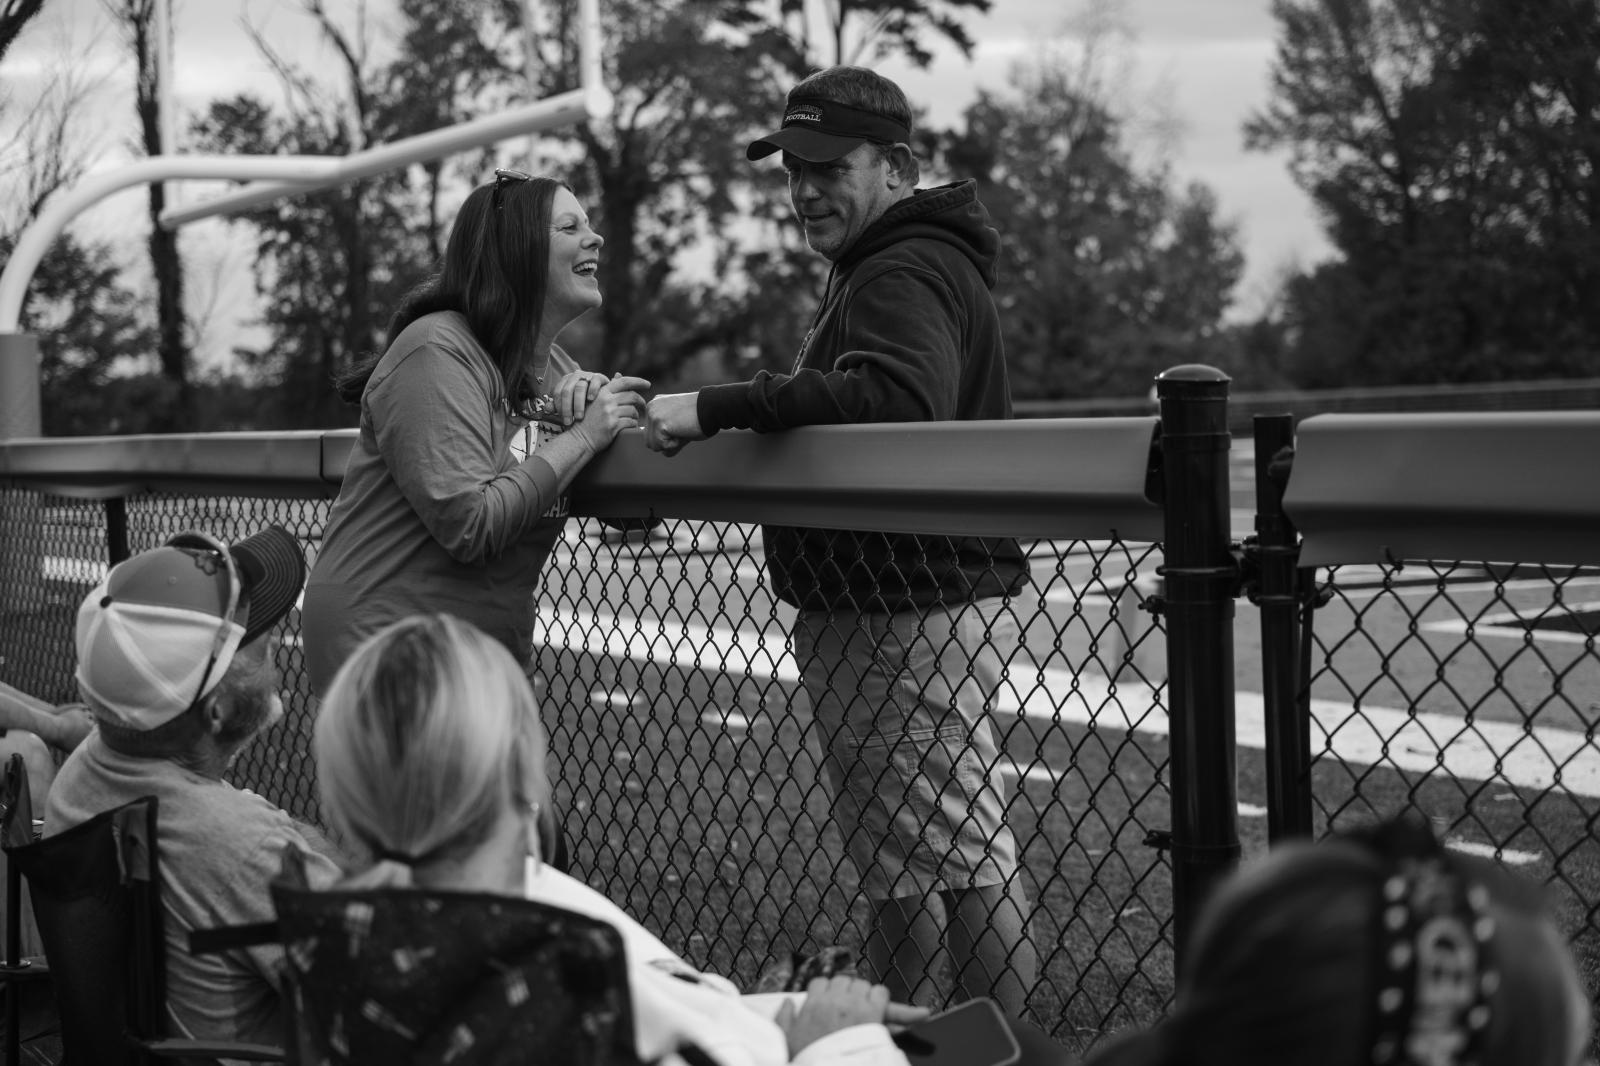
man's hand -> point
(671, 421)
(831, 1004)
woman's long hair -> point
(495, 271)
(428, 736)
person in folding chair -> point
(177, 661)
(431, 764)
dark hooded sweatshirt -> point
(907, 332)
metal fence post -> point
(1202, 578)
(1287, 712)
(19, 385)
(116, 530)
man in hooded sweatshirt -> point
(902, 640)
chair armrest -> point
(212, 1049)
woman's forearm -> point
(567, 453)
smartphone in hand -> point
(973, 1033)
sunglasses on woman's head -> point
(502, 178)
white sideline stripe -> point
(1509, 856)
(71, 568)
(1455, 588)
(1511, 625)
(614, 699)
(1250, 810)
(1376, 735)
(731, 720)
(1036, 772)
(1424, 741)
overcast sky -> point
(1207, 60)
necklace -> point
(543, 403)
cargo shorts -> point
(901, 704)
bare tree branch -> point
(354, 56)
(301, 94)
(45, 152)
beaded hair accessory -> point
(1435, 973)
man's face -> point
(836, 201)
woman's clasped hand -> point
(614, 405)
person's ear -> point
(902, 166)
(530, 829)
(214, 713)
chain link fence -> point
(1469, 692)
(689, 772)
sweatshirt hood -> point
(948, 213)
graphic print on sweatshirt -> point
(526, 442)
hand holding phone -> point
(973, 1033)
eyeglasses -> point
(237, 596)
(502, 178)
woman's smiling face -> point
(574, 284)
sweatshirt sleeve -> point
(900, 362)
(432, 419)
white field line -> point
(70, 568)
(1420, 742)
(1509, 856)
(1451, 588)
(1509, 625)
(615, 699)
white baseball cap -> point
(158, 634)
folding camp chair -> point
(96, 892)
(410, 976)
(16, 828)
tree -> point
(834, 32)
(694, 80)
(1109, 274)
(86, 319)
(663, 176)
(453, 56)
(137, 20)
(44, 152)
(1453, 149)
(331, 265)
(87, 323)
